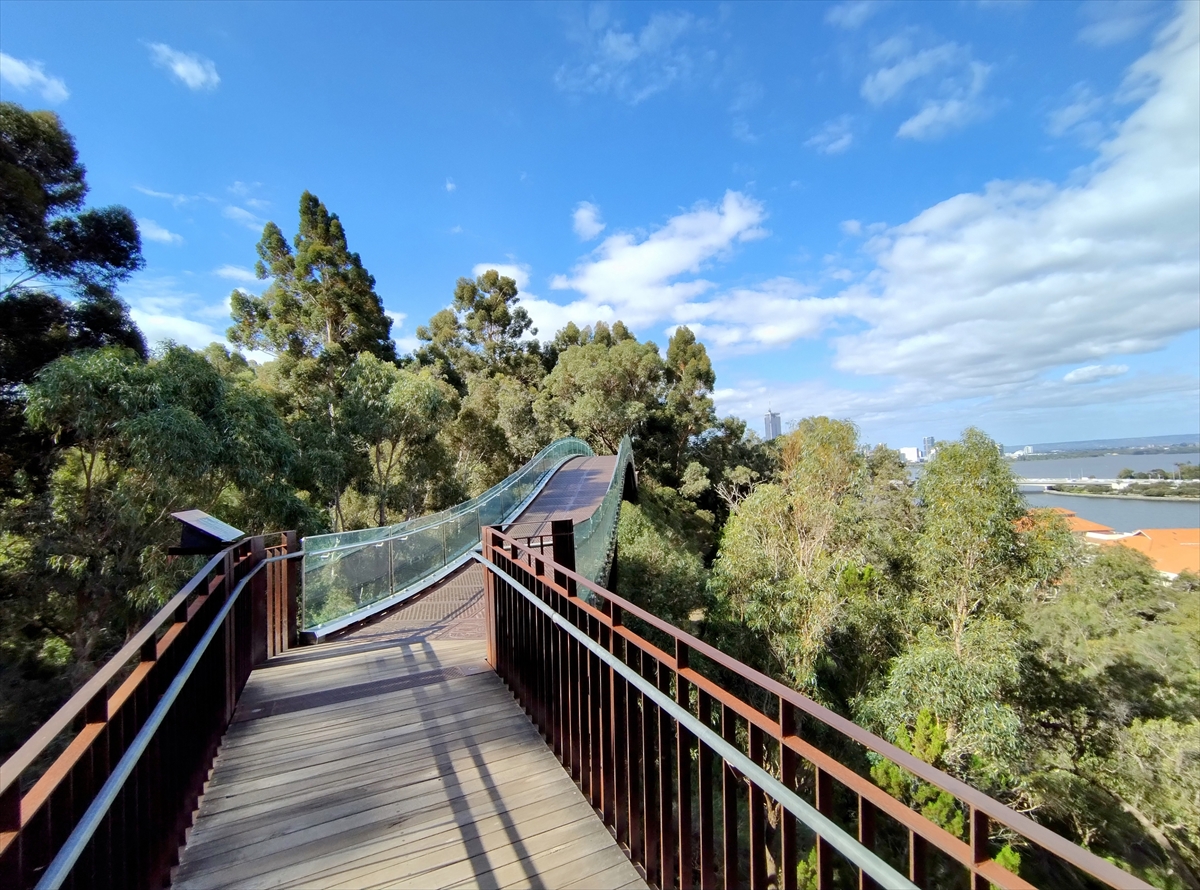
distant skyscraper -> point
(771, 425)
(927, 446)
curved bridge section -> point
(349, 576)
(586, 489)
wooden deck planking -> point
(405, 766)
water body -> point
(1104, 467)
(1123, 514)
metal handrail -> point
(24, 757)
(608, 611)
(383, 566)
(60, 867)
(841, 840)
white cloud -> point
(940, 116)
(637, 277)
(154, 232)
(236, 273)
(1007, 299)
(890, 81)
(834, 137)
(450, 185)
(456, 230)
(518, 272)
(851, 227)
(851, 14)
(1092, 373)
(243, 216)
(587, 220)
(945, 77)
(1077, 115)
(31, 77)
(191, 69)
(1114, 21)
(631, 65)
(177, 200)
(993, 289)
(165, 311)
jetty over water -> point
(459, 701)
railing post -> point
(563, 553)
(489, 595)
(292, 569)
(980, 830)
(261, 619)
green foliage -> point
(659, 563)
(601, 390)
(394, 415)
(321, 297)
(45, 234)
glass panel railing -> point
(346, 572)
(596, 535)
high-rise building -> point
(927, 447)
(771, 425)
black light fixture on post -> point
(203, 534)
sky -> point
(916, 216)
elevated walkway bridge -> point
(457, 701)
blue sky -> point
(916, 216)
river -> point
(1119, 513)
(1105, 467)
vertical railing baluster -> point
(650, 769)
(789, 762)
(608, 766)
(918, 860)
(596, 733)
(666, 790)
(980, 830)
(758, 815)
(824, 783)
(866, 837)
(619, 739)
(707, 798)
(685, 744)
(729, 807)
(637, 770)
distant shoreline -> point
(1117, 497)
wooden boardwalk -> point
(354, 765)
(395, 757)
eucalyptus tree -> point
(602, 389)
(47, 238)
(319, 312)
(396, 415)
(59, 265)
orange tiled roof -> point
(1171, 549)
(1076, 524)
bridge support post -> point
(563, 536)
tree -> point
(602, 389)
(46, 237)
(395, 414)
(321, 298)
(802, 584)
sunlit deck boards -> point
(359, 765)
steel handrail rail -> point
(60, 867)
(837, 837)
(420, 523)
(12, 768)
(1050, 841)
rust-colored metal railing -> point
(112, 808)
(705, 788)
